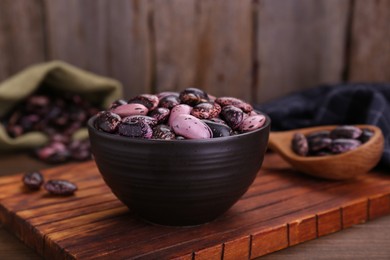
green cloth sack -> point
(62, 77)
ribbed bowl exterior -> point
(179, 182)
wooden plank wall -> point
(254, 49)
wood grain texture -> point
(302, 230)
(110, 39)
(22, 40)
(199, 44)
(279, 206)
(300, 44)
(370, 41)
(368, 241)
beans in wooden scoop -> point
(339, 140)
(190, 114)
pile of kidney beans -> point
(57, 115)
(339, 140)
(190, 114)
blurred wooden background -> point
(253, 49)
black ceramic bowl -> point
(179, 182)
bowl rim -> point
(186, 141)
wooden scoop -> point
(336, 167)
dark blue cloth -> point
(336, 104)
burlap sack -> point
(61, 76)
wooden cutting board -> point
(282, 208)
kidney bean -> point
(181, 109)
(191, 127)
(345, 131)
(226, 101)
(60, 187)
(252, 123)
(299, 144)
(344, 145)
(107, 121)
(218, 129)
(161, 114)
(163, 132)
(206, 110)
(135, 128)
(232, 115)
(130, 110)
(33, 180)
(193, 96)
(149, 101)
(169, 101)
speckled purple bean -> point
(117, 103)
(60, 187)
(319, 143)
(232, 115)
(167, 93)
(344, 145)
(169, 101)
(191, 127)
(225, 101)
(181, 109)
(206, 110)
(218, 129)
(148, 100)
(107, 121)
(193, 96)
(146, 119)
(346, 131)
(318, 134)
(33, 180)
(366, 135)
(299, 144)
(161, 114)
(130, 109)
(135, 128)
(163, 132)
(252, 123)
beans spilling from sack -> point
(190, 114)
(339, 140)
(57, 115)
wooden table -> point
(368, 241)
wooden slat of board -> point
(302, 230)
(300, 44)
(110, 39)
(237, 249)
(100, 231)
(378, 206)
(21, 35)
(370, 42)
(267, 241)
(355, 213)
